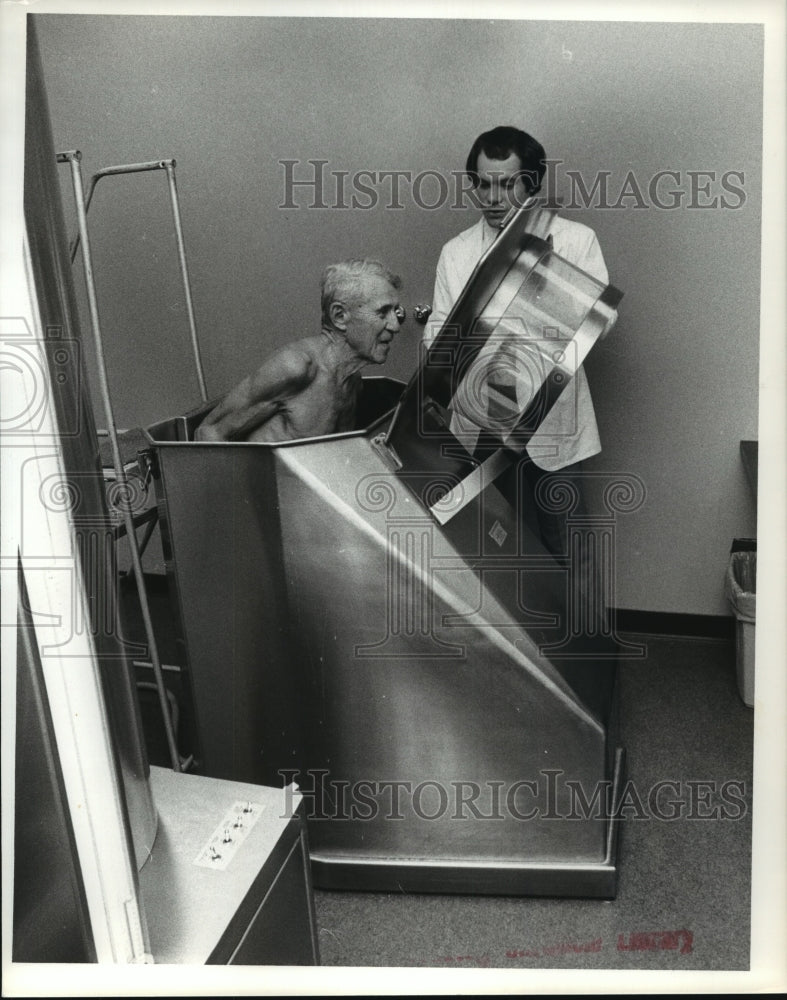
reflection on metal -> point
(461, 494)
(344, 632)
(519, 332)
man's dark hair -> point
(499, 143)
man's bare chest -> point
(327, 406)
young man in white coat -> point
(506, 167)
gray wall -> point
(675, 385)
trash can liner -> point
(741, 585)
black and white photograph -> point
(393, 410)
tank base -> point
(481, 877)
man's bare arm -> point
(259, 397)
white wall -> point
(676, 384)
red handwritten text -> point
(657, 941)
(556, 949)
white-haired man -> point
(310, 387)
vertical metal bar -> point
(75, 242)
(73, 157)
(150, 527)
(123, 168)
(169, 166)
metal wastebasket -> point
(742, 595)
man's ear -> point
(337, 312)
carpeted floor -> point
(681, 721)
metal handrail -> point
(169, 166)
(73, 157)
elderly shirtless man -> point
(310, 387)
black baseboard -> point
(671, 623)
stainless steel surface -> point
(73, 159)
(231, 608)
(419, 655)
(526, 317)
(341, 635)
(338, 636)
(489, 877)
(535, 371)
(259, 909)
(51, 274)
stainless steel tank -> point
(365, 613)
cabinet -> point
(255, 906)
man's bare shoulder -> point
(295, 361)
(309, 347)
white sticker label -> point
(223, 844)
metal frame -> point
(134, 168)
(73, 158)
